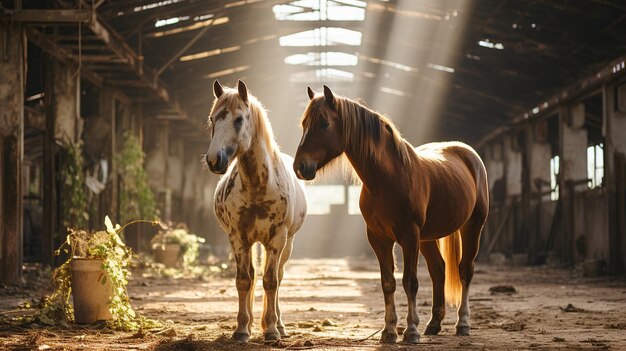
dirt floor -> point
(335, 304)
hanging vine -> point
(136, 197)
(73, 194)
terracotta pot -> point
(91, 297)
(519, 259)
(594, 268)
(167, 254)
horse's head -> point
(230, 126)
(322, 135)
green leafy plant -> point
(189, 243)
(136, 198)
(73, 194)
(107, 246)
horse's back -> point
(452, 154)
(457, 182)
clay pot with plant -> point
(95, 276)
(176, 247)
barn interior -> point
(537, 87)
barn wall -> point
(591, 226)
(583, 224)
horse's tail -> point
(258, 258)
(451, 250)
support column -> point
(12, 58)
(573, 171)
(615, 172)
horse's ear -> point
(330, 98)
(243, 91)
(217, 89)
(310, 92)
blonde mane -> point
(258, 114)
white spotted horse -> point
(259, 199)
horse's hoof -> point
(388, 338)
(432, 329)
(269, 337)
(463, 331)
(283, 333)
(411, 338)
(241, 337)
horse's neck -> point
(255, 163)
(376, 174)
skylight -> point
(392, 91)
(228, 71)
(154, 5)
(322, 75)
(209, 53)
(167, 22)
(490, 45)
(196, 25)
(320, 10)
(323, 36)
(322, 59)
(440, 68)
(388, 63)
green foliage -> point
(136, 197)
(189, 243)
(73, 192)
(107, 246)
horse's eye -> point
(324, 124)
(238, 120)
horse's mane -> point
(258, 114)
(363, 128)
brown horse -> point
(433, 198)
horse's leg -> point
(470, 239)
(250, 300)
(436, 269)
(410, 252)
(281, 270)
(273, 250)
(383, 248)
(244, 289)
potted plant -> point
(95, 275)
(176, 246)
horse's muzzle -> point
(306, 171)
(220, 165)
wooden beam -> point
(11, 152)
(52, 16)
(49, 172)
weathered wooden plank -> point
(11, 151)
(52, 16)
(49, 172)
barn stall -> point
(104, 108)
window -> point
(554, 178)
(595, 165)
(354, 195)
(321, 197)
